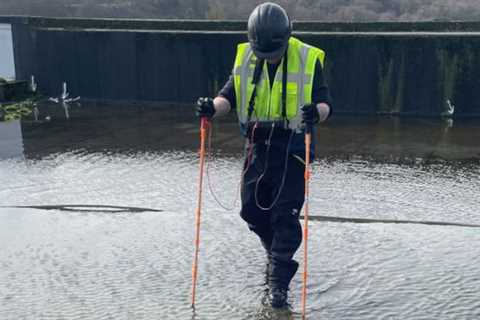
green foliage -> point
(325, 10)
(17, 110)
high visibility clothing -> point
(301, 62)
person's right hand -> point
(310, 115)
(205, 108)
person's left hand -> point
(205, 108)
(310, 114)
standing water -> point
(75, 261)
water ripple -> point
(81, 265)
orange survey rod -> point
(203, 134)
(308, 141)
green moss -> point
(384, 83)
(397, 106)
(456, 63)
(391, 86)
(448, 64)
(17, 110)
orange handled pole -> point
(203, 134)
(308, 141)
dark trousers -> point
(279, 228)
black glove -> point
(310, 114)
(205, 108)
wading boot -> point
(268, 263)
(281, 273)
(278, 298)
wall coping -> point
(239, 26)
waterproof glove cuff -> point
(205, 108)
(310, 114)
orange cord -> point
(203, 129)
(308, 141)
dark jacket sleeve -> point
(320, 91)
(228, 92)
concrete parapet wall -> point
(371, 68)
(219, 25)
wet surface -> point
(136, 265)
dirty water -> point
(114, 263)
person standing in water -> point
(278, 88)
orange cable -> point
(308, 140)
(203, 129)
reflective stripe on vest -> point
(268, 101)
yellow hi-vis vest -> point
(301, 62)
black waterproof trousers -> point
(279, 228)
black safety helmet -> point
(269, 29)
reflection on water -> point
(11, 144)
(168, 128)
(136, 265)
